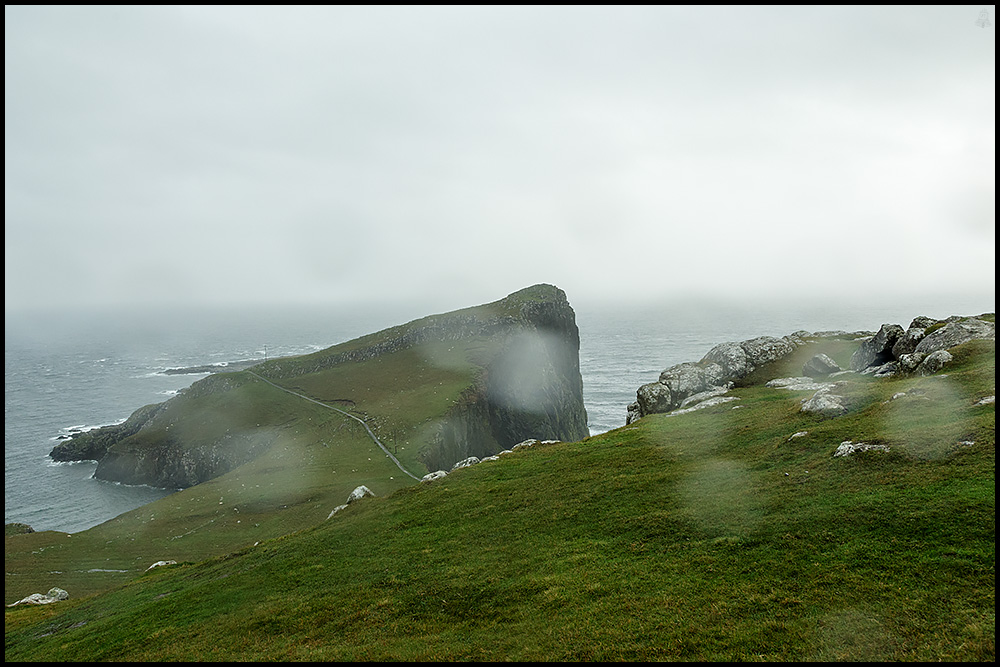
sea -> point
(66, 372)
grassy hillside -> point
(302, 459)
(713, 535)
(312, 458)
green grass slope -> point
(311, 458)
(713, 535)
(303, 458)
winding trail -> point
(346, 414)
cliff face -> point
(524, 383)
(531, 389)
(93, 445)
(159, 445)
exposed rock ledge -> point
(921, 348)
(725, 364)
(54, 595)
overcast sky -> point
(266, 155)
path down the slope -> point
(346, 414)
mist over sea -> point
(75, 371)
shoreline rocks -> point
(921, 348)
(717, 372)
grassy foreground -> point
(713, 535)
(314, 457)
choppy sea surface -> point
(67, 372)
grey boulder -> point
(820, 366)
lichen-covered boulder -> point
(687, 379)
(54, 595)
(820, 365)
(877, 350)
(653, 398)
(766, 349)
(825, 403)
(356, 495)
(161, 563)
(909, 362)
(731, 358)
(934, 362)
(797, 384)
(908, 342)
(956, 333)
(632, 413)
(359, 493)
(847, 448)
(888, 369)
(465, 463)
(703, 396)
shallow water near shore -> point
(66, 372)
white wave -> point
(56, 464)
(67, 431)
(132, 486)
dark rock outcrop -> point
(531, 389)
(17, 528)
(877, 350)
(907, 343)
(94, 445)
(922, 348)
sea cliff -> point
(513, 366)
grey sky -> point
(261, 155)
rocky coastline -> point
(921, 348)
(531, 387)
(228, 367)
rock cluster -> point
(724, 365)
(17, 528)
(826, 401)
(364, 492)
(922, 348)
(473, 460)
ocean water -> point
(65, 372)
